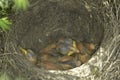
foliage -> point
(4, 4)
(21, 4)
(5, 23)
(7, 6)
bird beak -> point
(23, 50)
(74, 49)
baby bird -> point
(64, 46)
(67, 46)
(86, 51)
(49, 65)
(86, 48)
(48, 49)
(30, 55)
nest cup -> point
(51, 21)
(45, 22)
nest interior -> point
(48, 20)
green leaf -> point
(21, 4)
(4, 4)
(5, 24)
(1, 4)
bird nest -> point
(47, 21)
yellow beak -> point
(73, 49)
(23, 51)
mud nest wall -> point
(48, 20)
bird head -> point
(67, 46)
